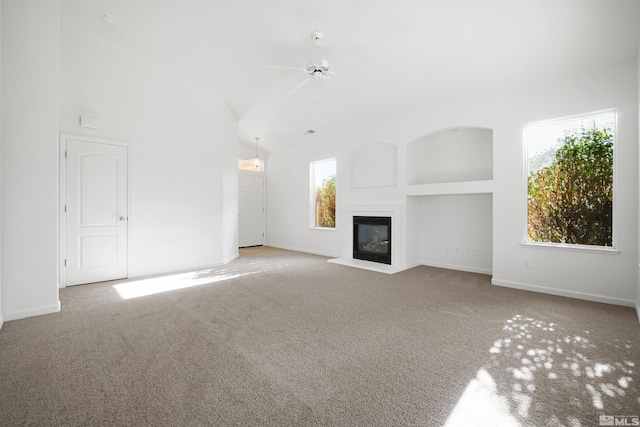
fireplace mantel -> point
(396, 213)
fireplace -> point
(372, 238)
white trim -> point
(296, 249)
(323, 228)
(411, 265)
(62, 193)
(572, 247)
(525, 159)
(563, 293)
(388, 269)
(38, 311)
(367, 265)
(638, 311)
(231, 258)
(1, 321)
(457, 267)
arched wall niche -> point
(374, 165)
(451, 155)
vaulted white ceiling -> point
(391, 58)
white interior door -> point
(97, 215)
(251, 209)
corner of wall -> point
(1, 318)
(637, 177)
(30, 70)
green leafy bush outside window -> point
(326, 203)
(570, 200)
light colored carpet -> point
(279, 338)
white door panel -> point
(96, 223)
(251, 210)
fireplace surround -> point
(397, 215)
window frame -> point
(570, 246)
(312, 193)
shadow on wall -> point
(538, 374)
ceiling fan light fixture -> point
(316, 71)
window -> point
(255, 165)
(323, 193)
(570, 180)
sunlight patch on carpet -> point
(156, 285)
(481, 404)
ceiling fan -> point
(315, 72)
(318, 72)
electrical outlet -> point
(527, 263)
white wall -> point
(29, 241)
(1, 317)
(230, 190)
(456, 155)
(590, 275)
(248, 151)
(455, 231)
(638, 290)
(184, 140)
(374, 165)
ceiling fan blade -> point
(286, 68)
(300, 85)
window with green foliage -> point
(570, 180)
(323, 193)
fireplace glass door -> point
(372, 238)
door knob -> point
(122, 218)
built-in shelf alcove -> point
(449, 201)
(461, 154)
(451, 231)
(446, 216)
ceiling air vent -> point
(310, 132)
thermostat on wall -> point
(89, 122)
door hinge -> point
(65, 208)
(65, 262)
(65, 154)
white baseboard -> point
(1, 321)
(37, 311)
(367, 265)
(413, 264)
(231, 258)
(308, 251)
(638, 311)
(564, 293)
(456, 267)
